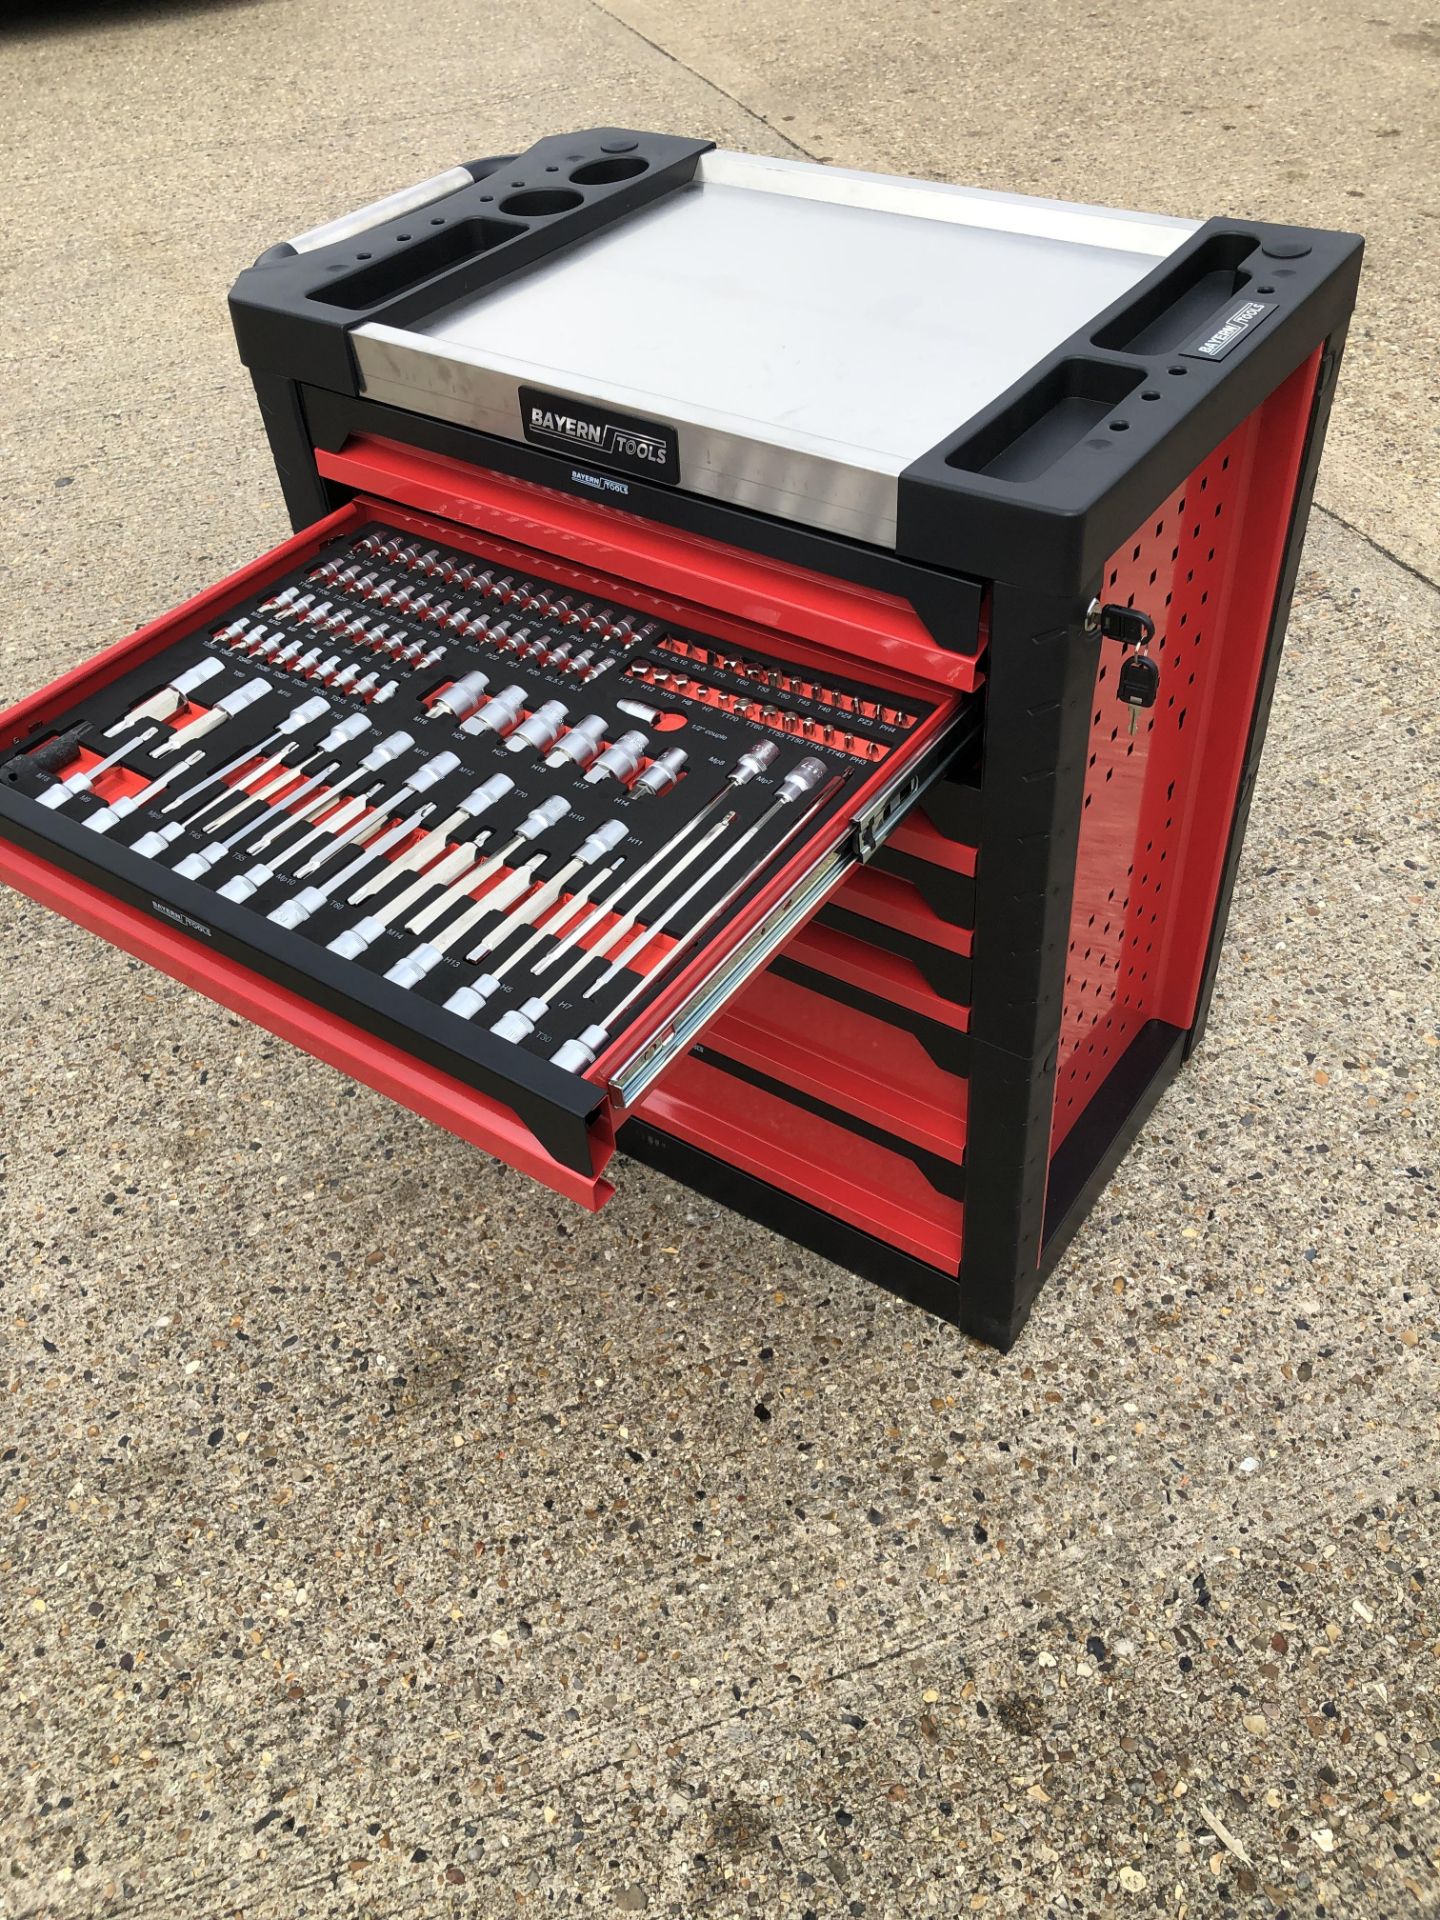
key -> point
(1139, 684)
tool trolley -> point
(770, 672)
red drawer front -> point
(562, 1136)
(851, 1060)
(685, 572)
(414, 1083)
(895, 980)
(816, 1160)
(892, 902)
(918, 836)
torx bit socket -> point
(662, 773)
(580, 745)
(498, 714)
(619, 760)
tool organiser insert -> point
(432, 792)
(770, 671)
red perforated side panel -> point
(1159, 802)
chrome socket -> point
(619, 760)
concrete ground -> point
(381, 1536)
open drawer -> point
(497, 828)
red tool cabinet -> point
(1030, 479)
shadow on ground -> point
(28, 19)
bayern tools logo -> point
(1216, 342)
(643, 447)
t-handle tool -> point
(421, 781)
(413, 966)
(410, 970)
(751, 763)
(548, 814)
(240, 886)
(802, 779)
(274, 773)
(354, 940)
(225, 708)
(248, 790)
(155, 842)
(520, 1022)
(65, 790)
(379, 756)
(603, 840)
(574, 1056)
(248, 774)
(319, 809)
(292, 912)
(170, 699)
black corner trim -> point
(1270, 670)
(482, 169)
(1078, 1173)
(1105, 1132)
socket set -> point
(849, 718)
(416, 775)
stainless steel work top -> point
(808, 331)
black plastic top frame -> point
(1037, 488)
(1041, 486)
(293, 312)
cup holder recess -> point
(604, 173)
(542, 200)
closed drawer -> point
(899, 904)
(892, 978)
(817, 1160)
(852, 1060)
